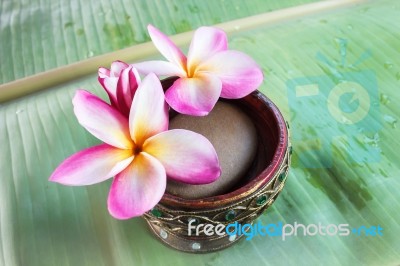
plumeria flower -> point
(139, 151)
(208, 72)
(120, 82)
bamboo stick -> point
(56, 76)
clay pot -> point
(247, 200)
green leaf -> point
(42, 223)
(41, 35)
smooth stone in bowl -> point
(234, 137)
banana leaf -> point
(344, 170)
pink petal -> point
(92, 165)
(109, 85)
(100, 119)
(187, 156)
(166, 47)
(103, 72)
(206, 42)
(239, 73)
(160, 68)
(149, 112)
(108, 78)
(194, 96)
(117, 67)
(138, 188)
(126, 89)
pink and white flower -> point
(208, 72)
(120, 82)
(139, 151)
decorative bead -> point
(230, 215)
(163, 234)
(196, 246)
(290, 150)
(156, 212)
(261, 200)
(281, 177)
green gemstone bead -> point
(156, 212)
(230, 215)
(281, 177)
(261, 200)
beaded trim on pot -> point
(171, 225)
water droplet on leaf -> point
(388, 65)
(371, 140)
(390, 120)
(384, 99)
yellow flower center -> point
(191, 70)
(136, 150)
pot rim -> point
(254, 184)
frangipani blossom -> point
(139, 151)
(210, 71)
(120, 82)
